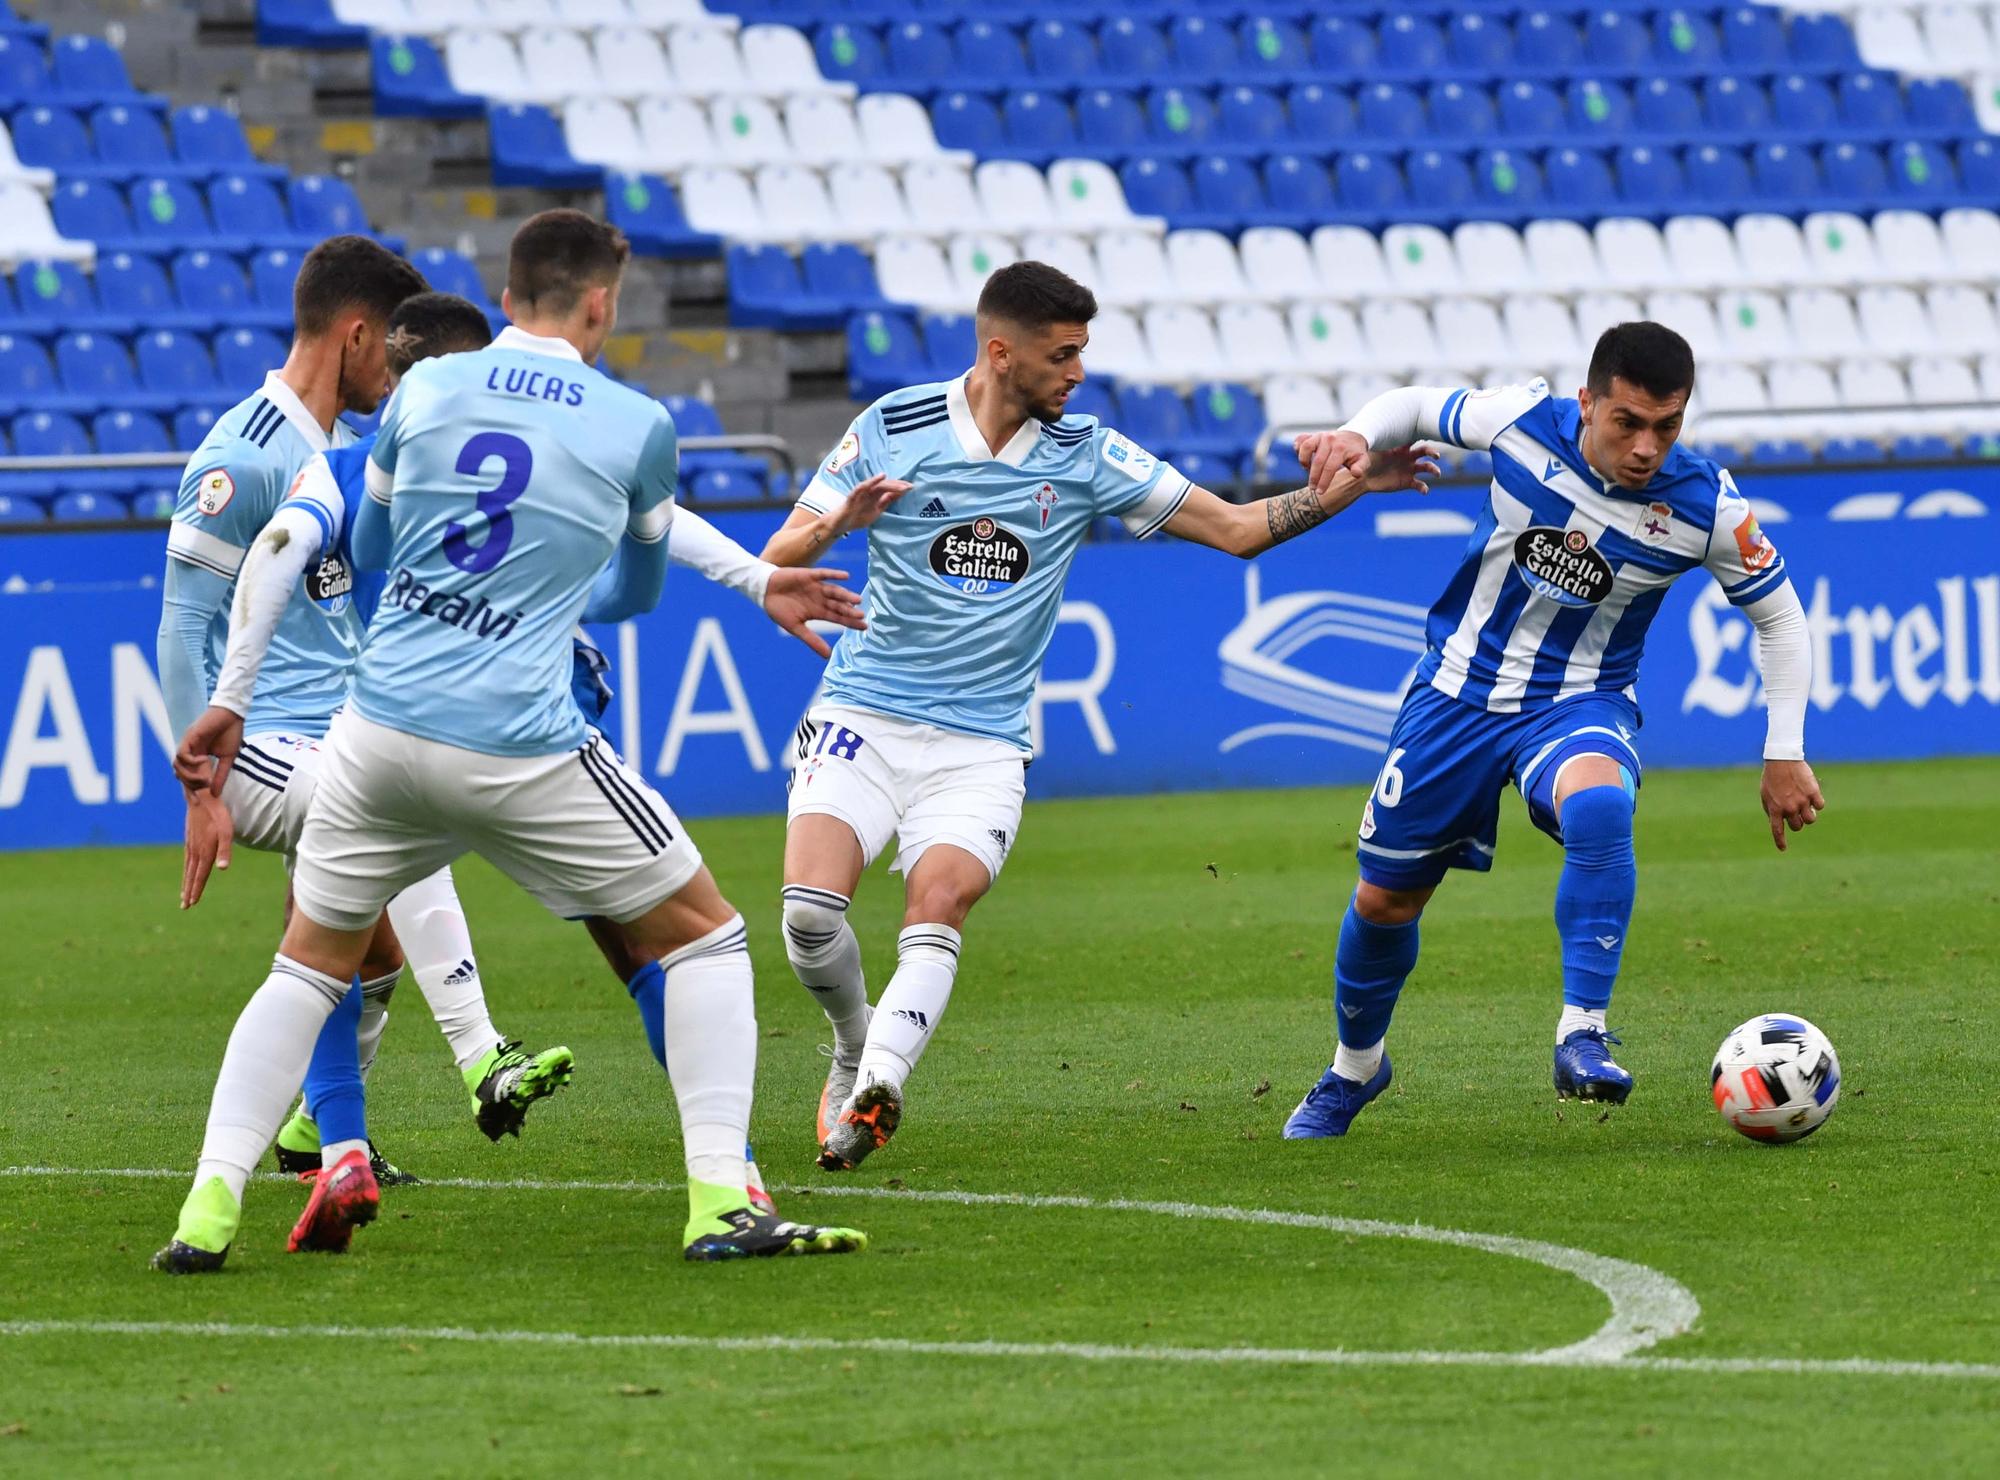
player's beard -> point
(349, 393)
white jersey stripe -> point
(1455, 662)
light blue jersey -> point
(232, 486)
(966, 570)
(510, 474)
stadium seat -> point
(1320, 113)
(1368, 183)
(1823, 322)
(244, 356)
(1390, 111)
(850, 53)
(1117, 347)
(1350, 262)
(1491, 257)
(132, 140)
(53, 138)
(88, 66)
(1470, 333)
(1702, 250)
(1597, 108)
(1718, 177)
(767, 291)
(982, 49)
(1298, 187)
(1342, 46)
(1180, 119)
(1730, 389)
(1088, 196)
(919, 53)
(50, 434)
(648, 211)
(82, 506)
(839, 273)
(1278, 264)
(1182, 342)
(1228, 414)
(1615, 41)
(1415, 42)
(821, 129)
(1691, 315)
(1227, 192)
(1869, 102)
(1271, 46)
(952, 343)
(1893, 322)
(1478, 43)
(895, 129)
(1633, 252)
(176, 369)
(1543, 333)
(1684, 38)
(1462, 113)
(1870, 382)
(135, 289)
(1058, 49)
(1420, 260)
(602, 131)
(49, 297)
(528, 149)
(130, 432)
(1010, 191)
(747, 133)
(410, 80)
(325, 205)
(19, 510)
(190, 425)
(1853, 172)
(1068, 253)
(27, 376)
(1110, 120)
(1962, 318)
(1530, 108)
(1666, 105)
(1132, 48)
(1580, 178)
(1734, 105)
(1133, 270)
(248, 209)
(883, 354)
(1753, 38)
(870, 199)
(942, 199)
(1326, 337)
(970, 121)
(1648, 176)
(211, 140)
(1037, 122)
(94, 370)
(1205, 267)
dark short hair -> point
(560, 255)
(350, 273)
(435, 324)
(1036, 295)
(1648, 355)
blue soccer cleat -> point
(1585, 1070)
(1331, 1105)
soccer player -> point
(1528, 678)
(349, 288)
(921, 731)
(500, 485)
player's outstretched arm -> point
(1247, 530)
(205, 847)
(804, 536)
(1789, 791)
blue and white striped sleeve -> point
(317, 492)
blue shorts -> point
(1436, 803)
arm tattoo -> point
(1292, 514)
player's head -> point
(1033, 322)
(1635, 399)
(347, 288)
(434, 324)
(563, 272)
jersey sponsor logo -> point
(1046, 500)
(1128, 457)
(980, 559)
(1560, 565)
(329, 582)
(1655, 525)
(848, 450)
(1757, 552)
(217, 489)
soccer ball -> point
(1776, 1078)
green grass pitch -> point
(1143, 999)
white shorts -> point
(885, 777)
(270, 788)
(579, 830)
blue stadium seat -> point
(1229, 189)
(1868, 101)
(1367, 182)
(176, 369)
(27, 377)
(1211, 470)
(1924, 170)
(965, 120)
(1480, 43)
(1037, 121)
(1717, 177)
(1648, 176)
(1342, 47)
(1271, 46)
(1476, 463)
(131, 138)
(24, 70)
(51, 297)
(1440, 180)
(849, 53)
(883, 355)
(1462, 112)
(135, 289)
(1616, 40)
(89, 66)
(1389, 110)
(528, 148)
(1093, 398)
(1179, 117)
(1413, 44)
(411, 81)
(1785, 172)
(1550, 40)
(1665, 105)
(158, 503)
(307, 23)
(53, 138)
(451, 272)
(212, 139)
(951, 341)
(1940, 103)
(1787, 451)
(1580, 178)
(1319, 114)
(50, 434)
(987, 50)
(82, 505)
(919, 53)
(130, 431)
(694, 417)
(1156, 417)
(1856, 172)
(325, 205)
(1600, 109)
(95, 371)
(1250, 115)
(766, 292)
(272, 275)
(1530, 108)
(250, 209)
(1753, 38)
(1110, 120)
(1201, 47)
(1299, 186)
(1803, 105)
(648, 211)
(1920, 449)
(842, 274)
(1131, 48)
(168, 215)
(1684, 38)
(1156, 187)
(244, 356)
(1736, 105)
(726, 485)
(1058, 49)
(191, 424)
(20, 511)
(1979, 169)
(1228, 415)
(1843, 450)
(1508, 178)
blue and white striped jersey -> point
(966, 570)
(1565, 571)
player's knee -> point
(813, 920)
(944, 901)
(1380, 906)
(383, 959)
(1597, 821)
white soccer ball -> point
(1776, 1078)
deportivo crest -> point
(983, 558)
(848, 450)
(1046, 500)
(216, 490)
(1560, 566)
(1655, 525)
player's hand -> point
(1791, 798)
(208, 750)
(797, 597)
(210, 830)
(1401, 469)
(870, 501)
(1323, 454)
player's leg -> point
(501, 1078)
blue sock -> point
(1594, 900)
(648, 987)
(1368, 973)
(334, 1094)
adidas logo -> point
(462, 973)
(998, 835)
(911, 1016)
(935, 509)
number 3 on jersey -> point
(517, 463)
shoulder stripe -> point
(270, 427)
(263, 411)
(913, 408)
(1070, 436)
(896, 429)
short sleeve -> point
(224, 500)
(854, 459)
(1475, 418)
(1130, 482)
(656, 482)
(1741, 556)
(316, 491)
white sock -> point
(375, 995)
(1358, 1064)
(430, 923)
(262, 1069)
(710, 1018)
(1578, 1017)
(912, 1003)
(826, 958)
(331, 1153)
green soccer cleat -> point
(298, 1144)
(744, 1233)
(207, 1228)
(507, 1081)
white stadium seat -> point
(911, 269)
(941, 198)
(1399, 334)
(1088, 195)
(1420, 260)
(1823, 323)
(721, 201)
(486, 64)
(1972, 237)
(1205, 268)
(558, 63)
(1689, 315)
(1962, 318)
(1754, 326)
(27, 231)
(632, 63)
(781, 62)
(1889, 39)
(1596, 312)
(1989, 376)
(1871, 383)
(1327, 337)
(594, 12)
(1469, 332)
(1015, 192)
(1350, 262)
(1133, 270)
(516, 15)
(603, 131)
(1254, 342)
(434, 17)
(660, 14)
(1802, 386)
(1633, 253)
(796, 206)
(1910, 249)
(1771, 251)
(13, 172)
(1541, 331)
(1298, 402)
(1563, 255)
(706, 62)
(1491, 258)
(1893, 322)
(1352, 392)
(377, 15)
(675, 134)
(1116, 346)
(1278, 263)
(747, 132)
(1937, 381)
(1985, 91)
(1182, 341)
(1702, 251)
(1842, 248)
(821, 129)
(1957, 39)
(1061, 249)
(975, 257)
(1729, 388)
(868, 198)
(895, 129)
